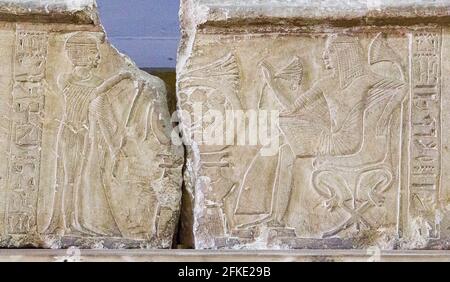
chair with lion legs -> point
(356, 182)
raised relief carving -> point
(88, 125)
(358, 157)
(91, 163)
(276, 187)
(212, 90)
(425, 140)
(28, 99)
(344, 123)
(102, 150)
(356, 179)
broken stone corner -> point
(357, 158)
(90, 163)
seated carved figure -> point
(343, 124)
(351, 171)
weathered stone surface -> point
(85, 136)
(51, 11)
(241, 256)
(360, 94)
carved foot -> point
(58, 231)
(275, 224)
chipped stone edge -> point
(196, 17)
(188, 33)
(305, 15)
(87, 14)
(82, 13)
(160, 88)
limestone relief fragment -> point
(354, 114)
(86, 138)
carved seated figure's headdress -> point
(349, 58)
(80, 49)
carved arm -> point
(270, 82)
(113, 81)
(396, 99)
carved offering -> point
(337, 137)
(86, 139)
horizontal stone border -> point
(220, 256)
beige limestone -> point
(241, 256)
(85, 136)
(361, 92)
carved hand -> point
(113, 81)
(267, 72)
(126, 75)
(117, 156)
(288, 110)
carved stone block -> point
(339, 129)
(85, 136)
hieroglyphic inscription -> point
(425, 141)
(26, 130)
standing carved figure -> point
(85, 115)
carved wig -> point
(79, 47)
(349, 58)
